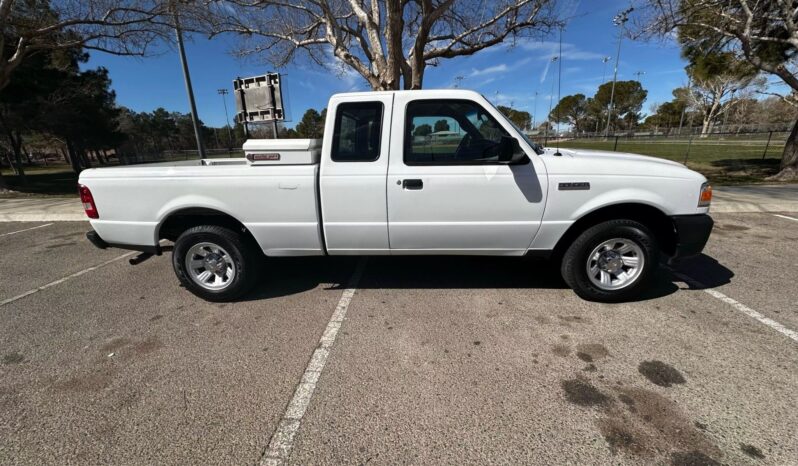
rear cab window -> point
(357, 133)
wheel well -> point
(179, 221)
(660, 224)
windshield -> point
(535, 146)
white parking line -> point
(282, 441)
(62, 280)
(784, 216)
(740, 307)
(26, 229)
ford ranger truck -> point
(406, 172)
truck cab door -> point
(451, 188)
(354, 166)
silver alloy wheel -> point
(210, 266)
(615, 264)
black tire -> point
(575, 260)
(243, 255)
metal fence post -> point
(615, 147)
(765, 153)
(689, 143)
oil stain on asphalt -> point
(641, 422)
(561, 350)
(92, 382)
(692, 458)
(582, 393)
(591, 352)
(752, 451)
(731, 227)
(659, 373)
(13, 358)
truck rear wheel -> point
(612, 261)
(215, 263)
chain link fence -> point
(134, 158)
(725, 156)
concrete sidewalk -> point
(756, 198)
(41, 209)
(727, 199)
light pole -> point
(223, 93)
(681, 119)
(457, 81)
(604, 60)
(187, 78)
(619, 20)
(726, 112)
(551, 97)
(638, 74)
(535, 111)
(603, 76)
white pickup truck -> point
(406, 172)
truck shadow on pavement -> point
(287, 276)
(704, 272)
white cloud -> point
(549, 49)
(484, 83)
(500, 68)
(350, 80)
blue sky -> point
(506, 75)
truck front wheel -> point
(612, 261)
(215, 263)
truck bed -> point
(277, 203)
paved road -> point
(438, 360)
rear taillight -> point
(88, 201)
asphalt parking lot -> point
(437, 361)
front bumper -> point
(692, 233)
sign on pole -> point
(259, 99)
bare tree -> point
(389, 43)
(120, 27)
(762, 32)
(714, 96)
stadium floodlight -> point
(603, 78)
(619, 20)
(622, 17)
(223, 93)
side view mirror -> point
(510, 152)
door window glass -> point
(451, 132)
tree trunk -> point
(27, 155)
(64, 154)
(16, 145)
(789, 158)
(10, 163)
(74, 158)
(704, 127)
(84, 157)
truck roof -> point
(449, 93)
